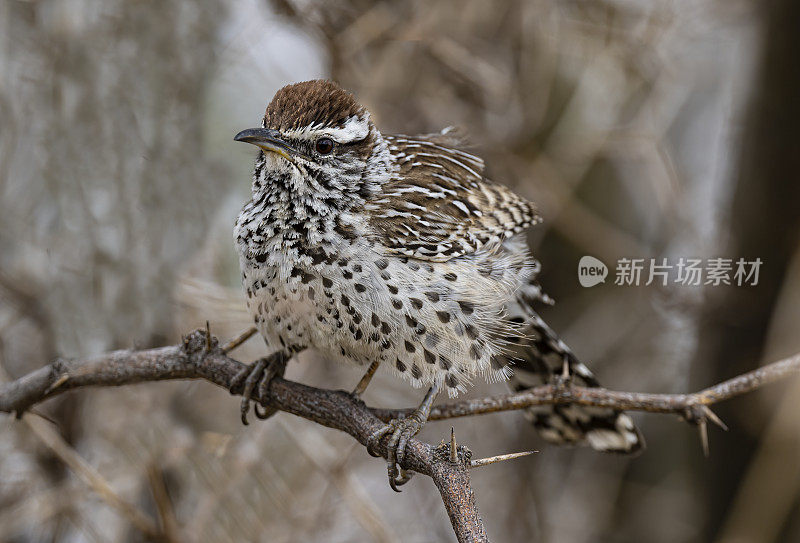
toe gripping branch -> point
(401, 430)
(260, 374)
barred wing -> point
(439, 206)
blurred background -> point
(642, 130)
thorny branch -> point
(201, 357)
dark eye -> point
(324, 146)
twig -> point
(200, 357)
(239, 340)
(601, 397)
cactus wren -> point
(393, 250)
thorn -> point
(710, 415)
(702, 427)
(453, 447)
(500, 458)
(60, 381)
(208, 337)
(238, 340)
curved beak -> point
(268, 140)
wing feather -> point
(439, 205)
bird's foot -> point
(259, 374)
(400, 430)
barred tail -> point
(539, 358)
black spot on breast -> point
(307, 277)
(466, 307)
(382, 263)
(472, 332)
(411, 321)
(386, 344)
(410, 347)
(345, 230)
(345, 300)
(393, 289)
(357, 318)
(342, 262)
(295, 272)
(475, 352)
(413, 266)
(416, 303)
(359, 334)
(416, 372)
(359, 287)
(444, 316)
(347, 274)
(400, 365)
(430, 358)
(375, 320)
(261, 258)
(385, 328)
(450, 276)
(397, 304)
(326, 282)
(357, 268)
(451, 380)
(444, 362)
(317, 255)
(375, 336)
(432, 296)
(386, 276)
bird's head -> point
(317, 139)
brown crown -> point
(317, 102)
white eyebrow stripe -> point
(355, 128)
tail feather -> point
(538, 358)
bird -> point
(395, 251)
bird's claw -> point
(260, 374)
(401, 430)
